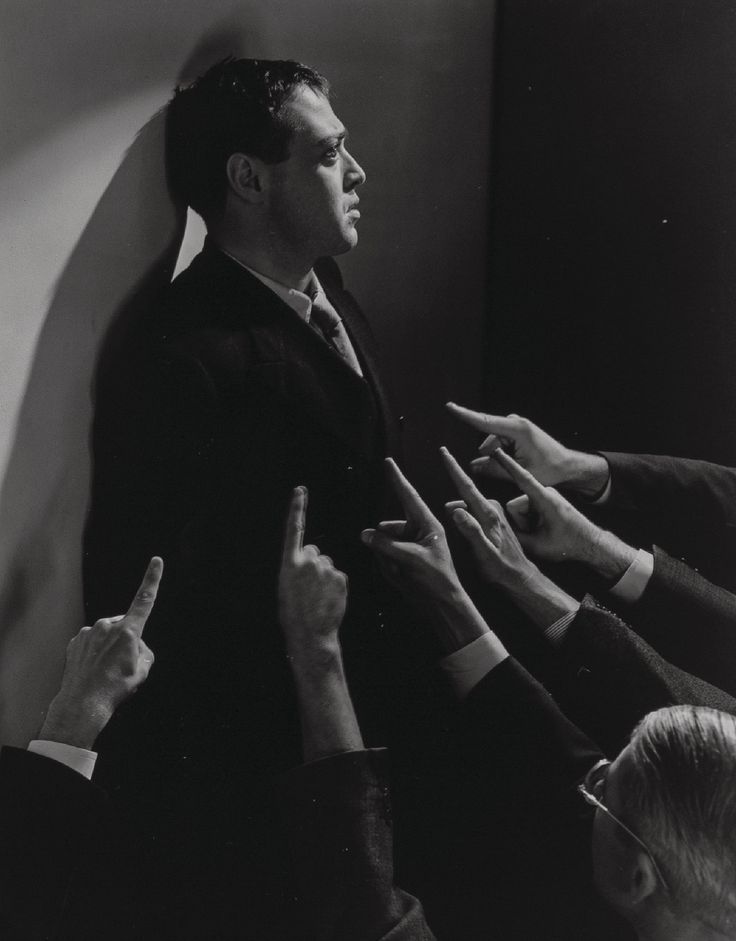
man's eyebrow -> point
(333, 138)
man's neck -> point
(277, 266)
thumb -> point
(521, 514)
(384, 545)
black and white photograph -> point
(368, 470)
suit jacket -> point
(524, 758)
(338, 823)
(646, 481)
(606, 678)
(682, 614)
(218, 404)
(508, 840)
(47, 814)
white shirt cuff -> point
(465, 668)
(557, 632)
(630, 587)
(604, 497)
(78, 759)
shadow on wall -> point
(126, 253)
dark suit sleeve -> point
(654, 483)
(525, 730)
(689, 620)
(47, 812)
(337, 815)
(609, 678)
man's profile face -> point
(312, 192)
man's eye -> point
(330, 156)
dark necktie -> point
(328, 321)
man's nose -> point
(354, 173)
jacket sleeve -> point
(689, 620)
(609, 678)
(47, 812)
(525, 729)
(670, 484)
(337, 817)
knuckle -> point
(128, 634)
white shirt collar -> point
(299, 302)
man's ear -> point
(643, 880)
(246, 177)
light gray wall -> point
(85, 218)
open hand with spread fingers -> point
(312, 593)
(105, 664)
(501, 559)
(414, 555)
(534, 450)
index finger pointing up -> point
(465, 486)
(296, 522)
(417, 511)
(145, 597)
(525, 481)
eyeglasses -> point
(592, 789)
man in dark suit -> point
(255, 370)
(688, 619)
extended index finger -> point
(490, 424)
(465, 486)
(296, 522)
(416, 509)
(142, 604)
(525, 481)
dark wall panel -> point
(613, 314)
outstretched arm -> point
(312, 600)
(105, 664)
(336, 807)
(48, 808)
(550, 461)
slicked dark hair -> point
(235, 107)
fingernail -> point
(443, 450)
(367, 536)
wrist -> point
(586, 474)
(517, 578)
(610, 557)
(456, 619)
(74, 723)
(317, 658)
(541, 600)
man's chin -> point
(348, 243)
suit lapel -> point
(364, 344)
(304, 369)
